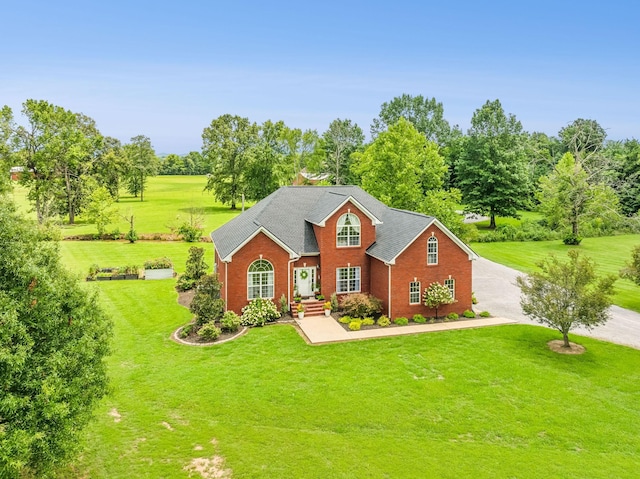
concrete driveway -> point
(496, 291)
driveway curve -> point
(496, 290)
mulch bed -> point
(345, 326)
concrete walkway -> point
(320, 329)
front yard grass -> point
(609, 252)
(485, 403)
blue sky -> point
(166, 69)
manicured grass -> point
(166, 199)
(609, 252)
(492, 402)
(524, 216)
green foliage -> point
(469, 314)
(418, 318)
(209, 332)
(368, 321)
(485, 314)
(207, 306)
(491, 171)
(54, 337)
(131, 236)
(142, 162)
(335, 305)
(400, 166)
(158, 263)
(454, 316)
(101, 209)
(572, 240)
(346, 319)
(565, 295)
(186, 330)
(632, 269)
(230, 321)
(360, 305)
(401, 321)
(284, 305)
(383, 321)
(437, 295)
(355, 325)
(444, 205)
(259, 312)
(195, 269)
(190, 230)
(341, 139)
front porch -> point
(312, 307)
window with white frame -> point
(260, 279)
(414, 292)
(348, 231)
(432, 250)
(348, 280)
(451, 284)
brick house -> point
(339, 239)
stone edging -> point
(177, 339)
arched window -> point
(260, 279)
(348, 231)
(432, 250)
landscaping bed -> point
(364, 324)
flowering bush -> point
(327, 305)
(258, 312)
(360, 305)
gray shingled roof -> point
(289, 212)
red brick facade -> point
(375, 276)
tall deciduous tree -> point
(625, 172)
(142, 162)
(400, 166)
(632, 268)
(425, 114)
(54, 337)
(227, 147)
(265, 160)
(300, 147)
(564, 295)
(491, 171)
(340, 141)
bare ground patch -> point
(557, 345)
(115, 415)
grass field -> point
(484, 403)
(166, 199)
(609, 252)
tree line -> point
(414, 160)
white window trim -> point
(357, 277)
(260, 287)
(451, 284)
(410, 292)
(432, 241)
(348, 237)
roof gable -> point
(330, 203)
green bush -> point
(355, 325)
(485, 314)
(190, 233)
(230, 322)
(186, 331)
(360, 305)
(384, 321)
(469, 314)
(572, 240)
(401, 321)
(284, 305)
(474, 300)
(368, 321)
(346, 319)
(131, 236)
(453, 316)
(158, 263)
(207, 306)
(259, 312)
(209, 332)
(334, 302)
(418, 318)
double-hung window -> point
(414, 292)
(451, 284)
(432, 250)
(348, 279)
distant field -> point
(166, 199)
(609, 252)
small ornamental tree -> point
(632, 269)
(206, 304)
(195, 269)
(437, 295)
(565, 295)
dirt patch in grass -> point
(557, 345)
(209, 468)
(115, 415)
(185, 297)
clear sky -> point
(166, 69)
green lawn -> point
(524, 216)
(609, 252)
(166, 199)
(486, 403)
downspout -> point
(389, 293)
(226, 287)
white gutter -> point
(389, 293)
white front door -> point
(304, 281)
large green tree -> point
(301, 147)
(227, 145)
(491, 172)
(400, 166)
(54, 337)
(142, 162)
(563, 295)
(425, 114)
(341, 139)
(625, 173)
(265, 161)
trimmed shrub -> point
(360, 305)
(258, 312)
(209, 332)
(368, 321)
(284, 305)
(572, 240)
(334, 302)
(186, 331)
(485, 314)
(384, 321)
(230, 322)
(355, 325)
(469, 314)
(346, 319)
(401, 321)
(207, 305)
(418, 318)
(453, 316)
